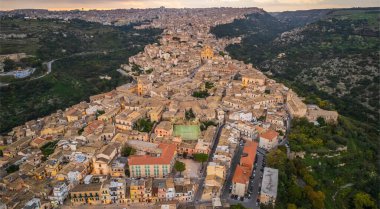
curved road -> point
(50, 63)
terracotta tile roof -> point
(244, 170)
(250, 149)
(269, 135)
(168, 152)
(38, 141)
(241, 175)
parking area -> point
(251, 198)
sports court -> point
(187, 132)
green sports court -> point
(187, 132)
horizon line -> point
(109, 9)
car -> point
(251, 177)
(249, 192)
(241, 198)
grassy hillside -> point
(334, 58)
(73, 78)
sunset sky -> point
(269, 5)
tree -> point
(363, 201)
(201, 94)
(238, 206)
(209, 85)
(317, 198)
(291, 206)
(9, 65)
(189, 114)
(276, 159)
(200, 157)
(179, 166)
(12, 168)
(143, 125)
(321, 121)
(127, 151)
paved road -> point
(198, 194)
(234, 162)
(195, 70)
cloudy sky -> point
(269, 5)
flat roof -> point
(270, 182)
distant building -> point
(295, 106)
(207, 53)
(314, 112)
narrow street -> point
(198, 194)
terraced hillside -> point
(85, 51)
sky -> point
(268, 5)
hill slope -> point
(87, 51)
(334, 58)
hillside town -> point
(191, 130)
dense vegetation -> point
(87, 51)
(144, 125)
(48, 148)
(329, 176)
(201, 94)
(334, 58)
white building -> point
(268, 140)
(60, 192)
(241, 116)
(34, 203)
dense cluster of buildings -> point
(77, 156)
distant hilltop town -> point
(192, 128)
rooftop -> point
(168, 152)
(270, 182)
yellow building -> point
(102, 161)
(143, 86)
(53, 130)
(86, 194)
(52, 167)
(207, 53)
(216, 169)
(137, 190)
(256, 79)
(295, 105)
(156, 113)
